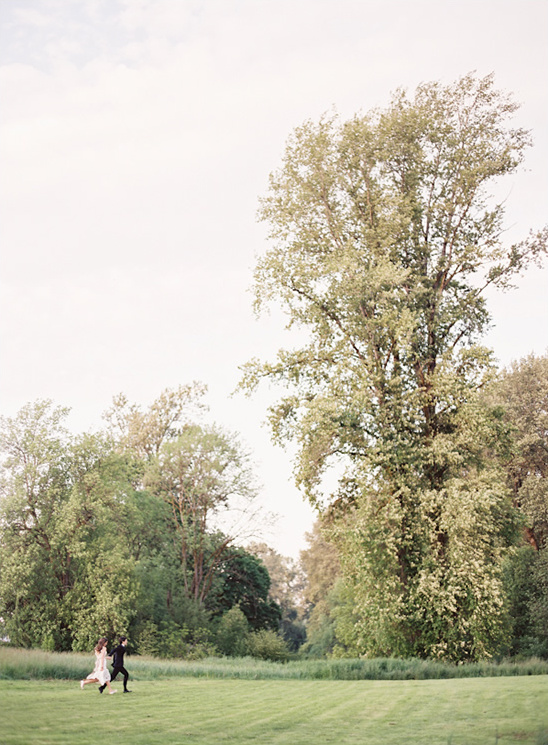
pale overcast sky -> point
(136, 137)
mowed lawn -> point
(212, 711)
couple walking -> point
(100, 673)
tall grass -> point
(23, 664)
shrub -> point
(267, 645)
(232, 633)
(146, 639)
(171, 641)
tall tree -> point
(64, 575)
(384, 241)
(33, 484)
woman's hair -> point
(101, 643)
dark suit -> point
(117, 655)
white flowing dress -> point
(100, 671)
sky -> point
(136, 137)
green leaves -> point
(383, 240)
(101, 533)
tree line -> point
(137, 528)
(93, 541)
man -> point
(117, 655)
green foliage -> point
(266, 644)
(521, 392)
(146, 638)
(383, 242)
(286, 590)
(292, 630)
(162, 602)
(232, 633)
(539, 601)
(33, 488)
(199, 474)
(243, 580)
(322, 592)
(142, 433)
(87, 550)
(526, 582)
(169, 640)
(320, 637)
(325, 623)
(64, 575)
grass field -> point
(201, 711)
(241, 701)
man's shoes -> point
(126, 691)
(102, 688)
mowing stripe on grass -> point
(202, 711)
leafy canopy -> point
(383, 241)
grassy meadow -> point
(170, 704)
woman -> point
(100, 674)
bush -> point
(146, 639)
(267, 645)
(232, 633)
(171, 641)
